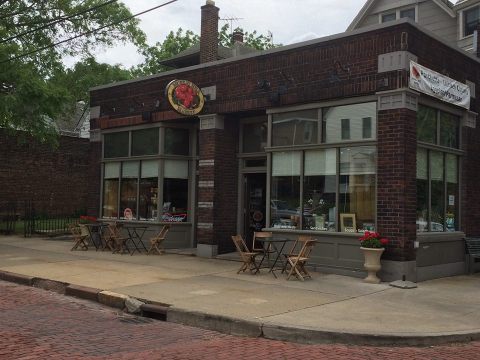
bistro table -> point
(275, 244)
(135, 235)
(95, 232)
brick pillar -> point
(95, 173)
(396, 188)
(217, 186)
(209, 32)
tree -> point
(31, 54)
(259, 42)
(174, 43)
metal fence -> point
(31, 217)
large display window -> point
(324, 187)
(131, 189)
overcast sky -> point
(290, 21)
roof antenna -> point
(231, 20)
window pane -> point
(128, 190)
(175, 191)
(320, 188)
(427, 124)
(285, 202)
(408, 13)
(254, 137)
(448, 130)
(350, 122)
(295, 128)
(437, 195)
(175, 200)
(452, 192)
(148, 199)
(111, 175)
(388, 17)
(422, 190)
(177, 141)
(357, 188)
(145, 142)
(286, 163)
(470, 18)
(115, 145)
(176, 169)
(110, 198)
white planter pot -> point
(372, 264)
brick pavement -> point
(37, 324)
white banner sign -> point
(440, 86)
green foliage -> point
(259, 42)
(30, 93)
(174, 43)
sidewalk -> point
(208, 293)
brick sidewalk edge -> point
(240, 327)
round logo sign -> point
(185, 97)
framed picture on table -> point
(348, 223)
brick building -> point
(323, 137)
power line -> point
(85, 33)
(61, 19)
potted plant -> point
(372, 246)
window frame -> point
(321, 145)
(397, 13)
(462, 23)
(161, 157)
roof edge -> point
(292, 47)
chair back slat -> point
(260, 235)
(307, 248)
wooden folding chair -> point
(79, 237)
(156, 242)
(298, 262)
(247, 257)
(115, 238)
(109, 237)
(295, 249)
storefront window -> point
(357, 189)
(175, 191)
(115, 145)
(285, 194)
(437, 191)
(427, 124)
(451, 175)
(422, 190)
(177, 141)
(145, 142)
(319, 190)
(110, 190)
(254, 137)
(148, 197)
(449, 130)
(128, 190)
(349, 122)
(295, 128)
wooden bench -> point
(473, 249)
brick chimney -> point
(237, 37)
(209, 32)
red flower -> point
(185, 94)
(372, 240)
(384, 241)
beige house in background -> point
(454, 23)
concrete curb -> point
(16, 278)
(240, 327)
(82, 292)
(313, 336)
(223, 324)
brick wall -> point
(58, 178)
(221, 146)
(396, 188)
